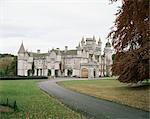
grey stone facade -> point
(84, 61)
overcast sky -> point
(47, 24)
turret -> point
(79, 49)
(99, 42)
(21, 52)
(108, 45)
(94, 39)
(99, 45)
(21, 49)
(82, 42)
(22, 56)
(108, 58)
(108, 50)
(79, 45)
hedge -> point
(22, 77)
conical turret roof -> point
(21, 50)
(108, 44)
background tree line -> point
(8, 65)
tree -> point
(8, 65)
(130, 38)
(13, 67)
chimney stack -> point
(66, 48)
(38, 51)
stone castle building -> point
(85, 61)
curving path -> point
(99, 109)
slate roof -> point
(21, 50)
(69, 52)
(39, 54)
(108, 44)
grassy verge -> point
(112, 90)
(32, 102)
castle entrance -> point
(84, 73)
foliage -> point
(37, 105)
(13, 67)
(113, 57)
(130, 67)
(22, 77)
(8, 65)
(6, 55)
(130, 38)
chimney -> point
(58, 53)
(38, 51)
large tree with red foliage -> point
(130, 38)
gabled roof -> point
(21, 50)
(39, 54)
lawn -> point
(112, 90)
(32, 102)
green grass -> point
(32, 102)
(112, 90)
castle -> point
(86, 61)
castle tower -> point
(82, 42)
(108, 58)
(99, 45)
(21, 61)
(99, 42)
(79, 49)
(94, 39)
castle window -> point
(91, 57)
(97, 58)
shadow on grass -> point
(142, 86)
